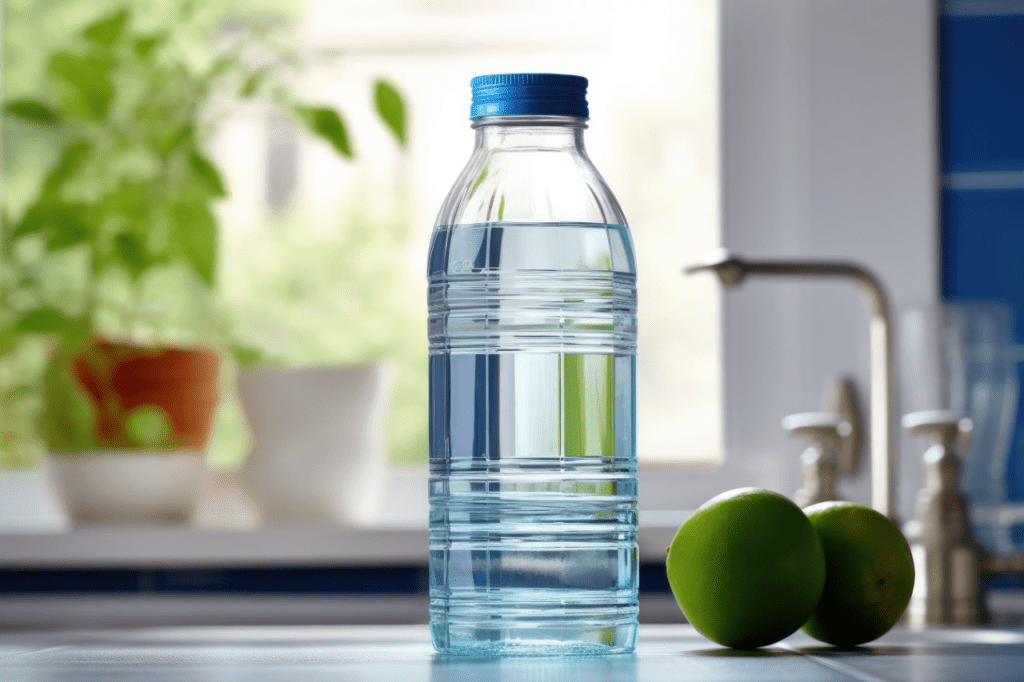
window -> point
(652, 68)
(827, 149)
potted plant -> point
(348, 384)
(114, 261)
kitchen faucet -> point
(732, 270)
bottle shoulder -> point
(530, 186)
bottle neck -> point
(550, 133)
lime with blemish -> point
(869, 574)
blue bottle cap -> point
(529, 94)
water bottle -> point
(532, 327)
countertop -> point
(281, 545)
(673, 653)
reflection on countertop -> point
(665, 652)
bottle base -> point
(485, 642)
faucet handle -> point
(946, 557)
(942, 427)
(818, 462)
(824, 429)
(941, 465)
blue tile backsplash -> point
(981, 105)
(982, 92)
(983, 246)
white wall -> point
(829, 130)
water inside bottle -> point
(533, 460)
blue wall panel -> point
(982, 92)
(983, 245)
(981, 104)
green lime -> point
(746, 568)
(869, 574)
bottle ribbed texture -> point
(532, 332)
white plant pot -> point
(129, 486)
(318, 450)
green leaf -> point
(67, 225)
(391, 109)
(501, 208)
(66, 234)
(207, 174)
(220, 66)
(253, 83)
(70, 416)
(195, 235)
(63, 224)
(71, 161)
(32, 110)
(132, 253)
(84, 83)
(251, 356)
(145, 45)
(130, 200)
(174, 137)
(33, 221)
(147, 426)
(42, 321)
(326, 123)
(107, 30)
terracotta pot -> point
(183, 382)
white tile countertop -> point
(673, 653)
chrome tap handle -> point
(825, 431)
(946, 557)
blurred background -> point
(259, 180)
(256, 182)
(321, 255)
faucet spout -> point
(731, 270)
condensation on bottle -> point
(532, 331)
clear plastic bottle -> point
(532, 298)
